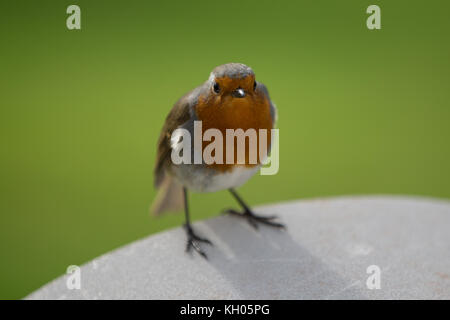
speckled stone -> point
(324, 254)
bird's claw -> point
(253, 219)
(193, 242)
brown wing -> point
(179, 114)
(273, 109)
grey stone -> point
(324, 254)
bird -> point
(230, 98)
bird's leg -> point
(252, 218)
(192, 239)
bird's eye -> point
(254, 86)
(216, 87)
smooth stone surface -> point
(324, 254)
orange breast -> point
(225, 112)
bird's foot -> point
(254, 219)
(193, 241)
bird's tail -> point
(169, 196)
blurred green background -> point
(360, 112)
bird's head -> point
(232, 81)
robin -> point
(229, 99)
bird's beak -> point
(238, 93)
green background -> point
(360, 112)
